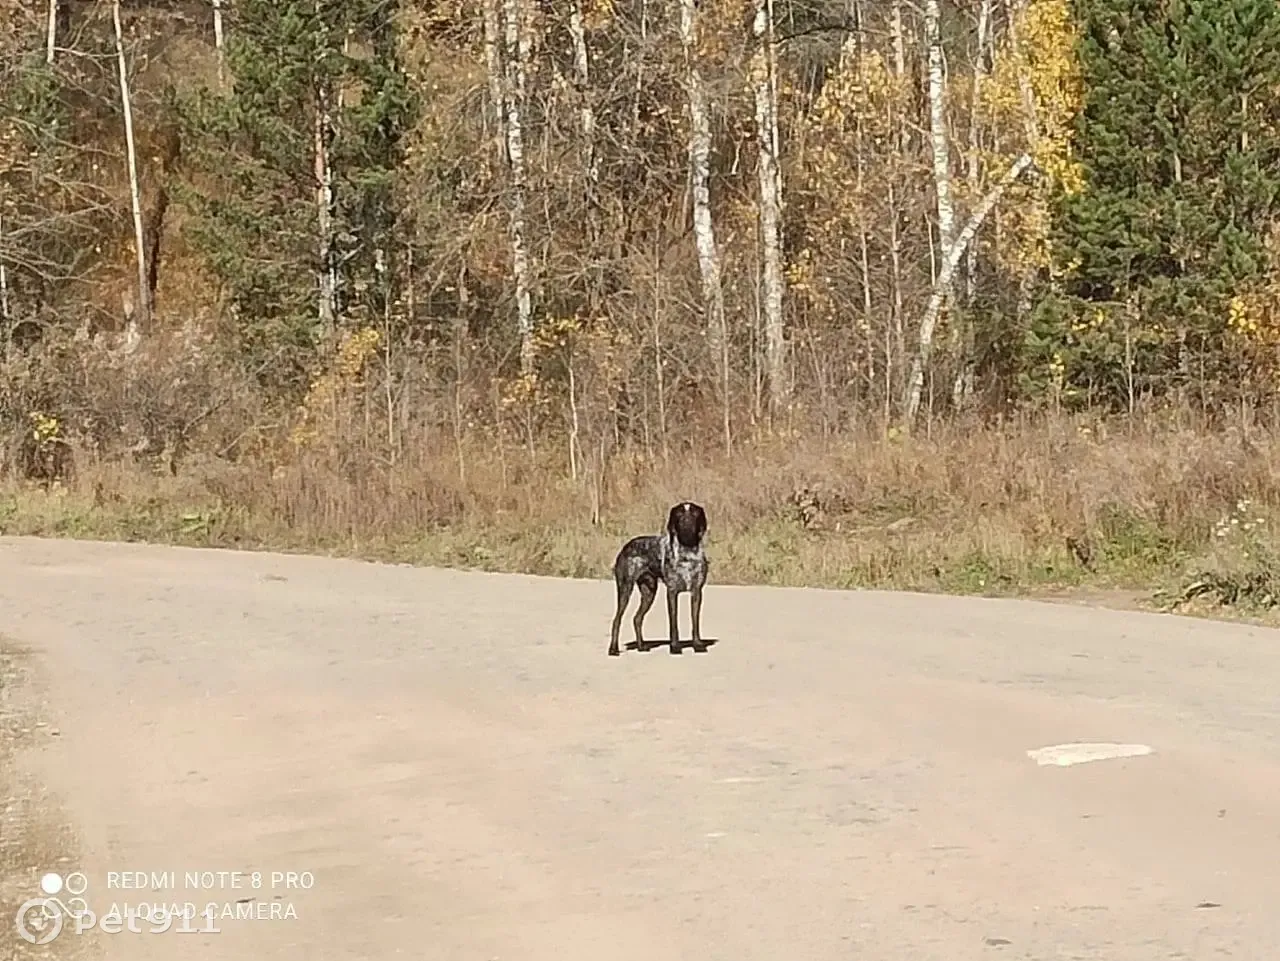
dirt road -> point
(467, 775)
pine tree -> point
(295, 172)
(1179, 143)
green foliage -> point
(254, 187)
(1180, 141)
(1242, 568)
(48, 215)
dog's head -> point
(687, 523)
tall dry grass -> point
(1038, 500)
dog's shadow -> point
(686, 644)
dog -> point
(675, 559)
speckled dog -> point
(676, 559)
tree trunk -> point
(327, 308)
(938, 145)
(5, 319)
(703, 230)
(901, 140)
(946, 275)
(142, 319)
(493, 66)
(219, 40)
(587, 118)
(938, 130)
(582, 74)
(51, 35)
(322, 138)
(762, 76)
(515, 53)
(898, 39)
(962, 388)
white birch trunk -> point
(515, 53)
(898, 123)
(4, 300)
(938, 145)
(327, 307)
(770, 203)
(972, 160)
(640, 64)
(851, 48)
(898, 39)
(700, 188)
(493, 67)
(144, 289)
(582, 72)
(946, 275)
(962, 388)
(51, 35)
(219, 41)
(591, 165)
(938, 129)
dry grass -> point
(1016, 508)
(34, 837)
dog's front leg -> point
(673, 619)
(695, 611)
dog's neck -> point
(676, 549)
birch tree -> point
(515, 51)
(51, 34)
(763, 79)
(322, 136)
(493, 72)
(219, 41)
(704, 235)
(962, 387)
(582, 77)
(941, 155)
(587, 122)
(946, 276)
(900, 141)
(143, 310)
(938, 143)
(5, 318)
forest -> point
(973, 295)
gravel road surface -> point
(466, 776)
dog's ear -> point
(671, 520)
(702, 523)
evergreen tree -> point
(294, 171)
(1180, 143)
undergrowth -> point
(1041, 504)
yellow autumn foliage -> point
(597, 14)
(317, 408)
(852, 119)
(1032, 96)
(597, 350)
(1253, 330)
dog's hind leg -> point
(624, 595)
(648, 591)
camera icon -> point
(40, 920)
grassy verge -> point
(34, 838)
(1177, 513)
